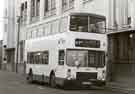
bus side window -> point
(61, 57)
(28, 58)
(46, 57)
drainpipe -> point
(18, 38)
(114, 15)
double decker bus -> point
(76, 56)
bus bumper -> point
(84, 83)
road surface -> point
(12, 83)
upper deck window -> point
(82, 23)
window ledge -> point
(50, 14)
(67, 9)
(34, 19)
(86, 1)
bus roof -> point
(86, 14)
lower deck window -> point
(38, 57)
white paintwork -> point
(51, 44)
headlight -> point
(103, 74)
(69, 77)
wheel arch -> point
(30, 71)
(52, 73)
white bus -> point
(76, 56)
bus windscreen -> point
(89, 24)
(86, 58)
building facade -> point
(1, 42)
(121, 54)
(34, 13)
(9, 36)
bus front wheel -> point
(30, 76)
(52, 80)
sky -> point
(1, 18)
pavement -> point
(119, 87)
(12, 83)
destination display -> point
(87, 43)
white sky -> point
(1, 18)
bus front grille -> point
(86, 75)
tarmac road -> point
(12, 83)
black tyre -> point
(30, 79)
(30, 76)
(52, 80)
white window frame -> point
(51, 7)
(35, 10)
(69, 4)
(23, 11)
(85, 1)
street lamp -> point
(18, 38)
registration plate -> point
(86, 83)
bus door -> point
(61, 61)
